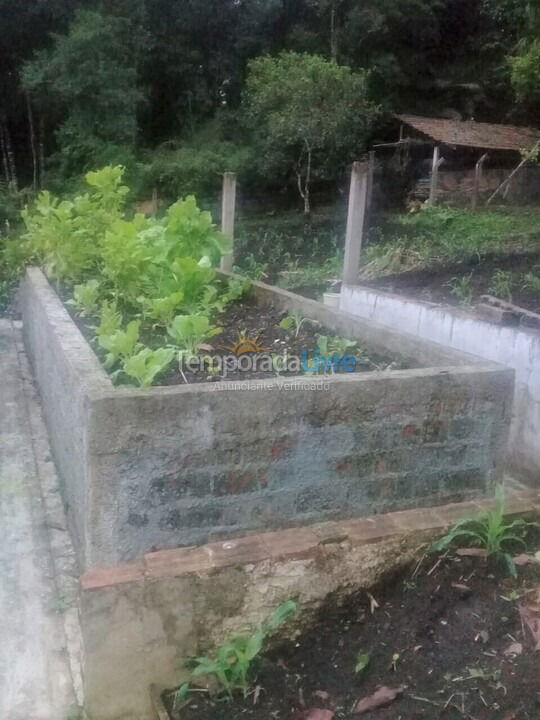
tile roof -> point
(469, 133)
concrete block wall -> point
(461, 330)
(183, 465)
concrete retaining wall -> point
(140, 621)
(183, 465)
(460, 330)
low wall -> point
(140, 621)
(184, 465)
(461, 330)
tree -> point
(91, 74)
(309, 115)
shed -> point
(468, 144)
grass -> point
(440, 234)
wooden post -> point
(478, 180)
(228, 203)
(434, 176)
(355, 222)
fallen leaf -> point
(460, 586)
(381, 697)
(322, 694)
(483, 635)
(514, 649)
(472, 552)
(316, 714)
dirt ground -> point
(448, 633)
(434, 284)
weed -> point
(502, 284)
(461, 288)
(532, 280)
(489, 531)
(232, 663)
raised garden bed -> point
(184, 464)
(446, 639)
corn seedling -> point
(489, 531)
(232, 663)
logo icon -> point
(246, 343)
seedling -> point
(490, 532)
(362, 661)
(188, 332)
(294, 321)
(232, 663)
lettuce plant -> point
(188, 332)
(146, 364)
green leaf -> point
(362, 661)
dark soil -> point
(255, 323)
(434, 284)
(442, 632)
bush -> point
(193, 168)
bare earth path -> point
(38, 618)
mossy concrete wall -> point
(185, 465)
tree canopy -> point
(107, 79)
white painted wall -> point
(517, 348)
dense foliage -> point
(157, 273)
(105, 81)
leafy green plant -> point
(146, 364)
(461, 288)
(489, 531)
(294, 321)
(162, 309)
(335, 345)
(86, 298)
(189, 331)
(532, 280)
(120, 344)
(232, 663)
(501, 284)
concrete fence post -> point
(434, 176)
(477, 180)
(228, 203)
(355, 221)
